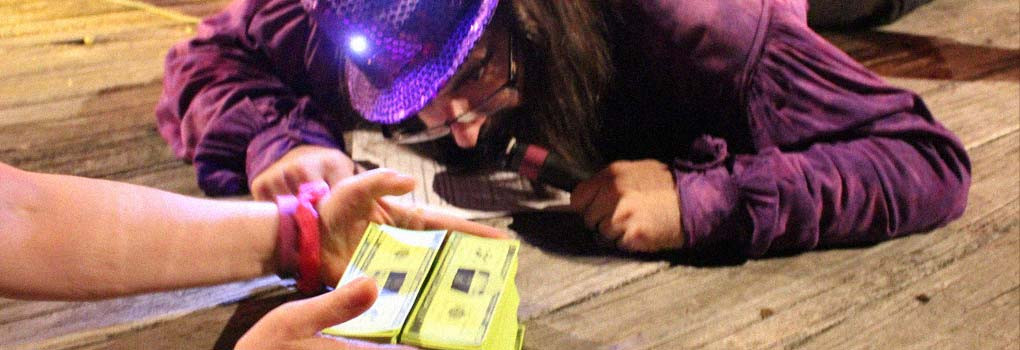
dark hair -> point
(566, 72)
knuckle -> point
(637, 240)
(266, 185)
(617, 168)
(328, 157)
(639, 235)
(606, 229)
(580, 198)
(258, 184)
(306, 163)
(296, 173)
(617, 188)
(622, 216)
(261, 193)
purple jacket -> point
(778, 141)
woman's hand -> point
(633, 203)
(358, 200)
(302, 164)
(295, 325)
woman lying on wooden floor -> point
(723, 127)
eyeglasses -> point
(414, 130)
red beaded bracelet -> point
(308, 246)
(298, 240)
(309, 260)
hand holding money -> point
(295, 325)
(358, 200)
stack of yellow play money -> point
(438, 290)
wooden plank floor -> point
(79, 80)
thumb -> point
(338, 306)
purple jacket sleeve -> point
(235, 98)
(840, 157)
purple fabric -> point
(779, 141)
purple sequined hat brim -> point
(389, 101)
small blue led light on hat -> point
(358, 44)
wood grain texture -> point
(970, 304)
(79, 80)
(39, 325)
(86, 109)
(196, 8)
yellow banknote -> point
(471, 300)
(399, 260)
(437, 290)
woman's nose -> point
(466, 134)
(456, 107)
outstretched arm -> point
(76, 238)
(68, 237)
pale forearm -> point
(76, 238)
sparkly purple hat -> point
(399, 53)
